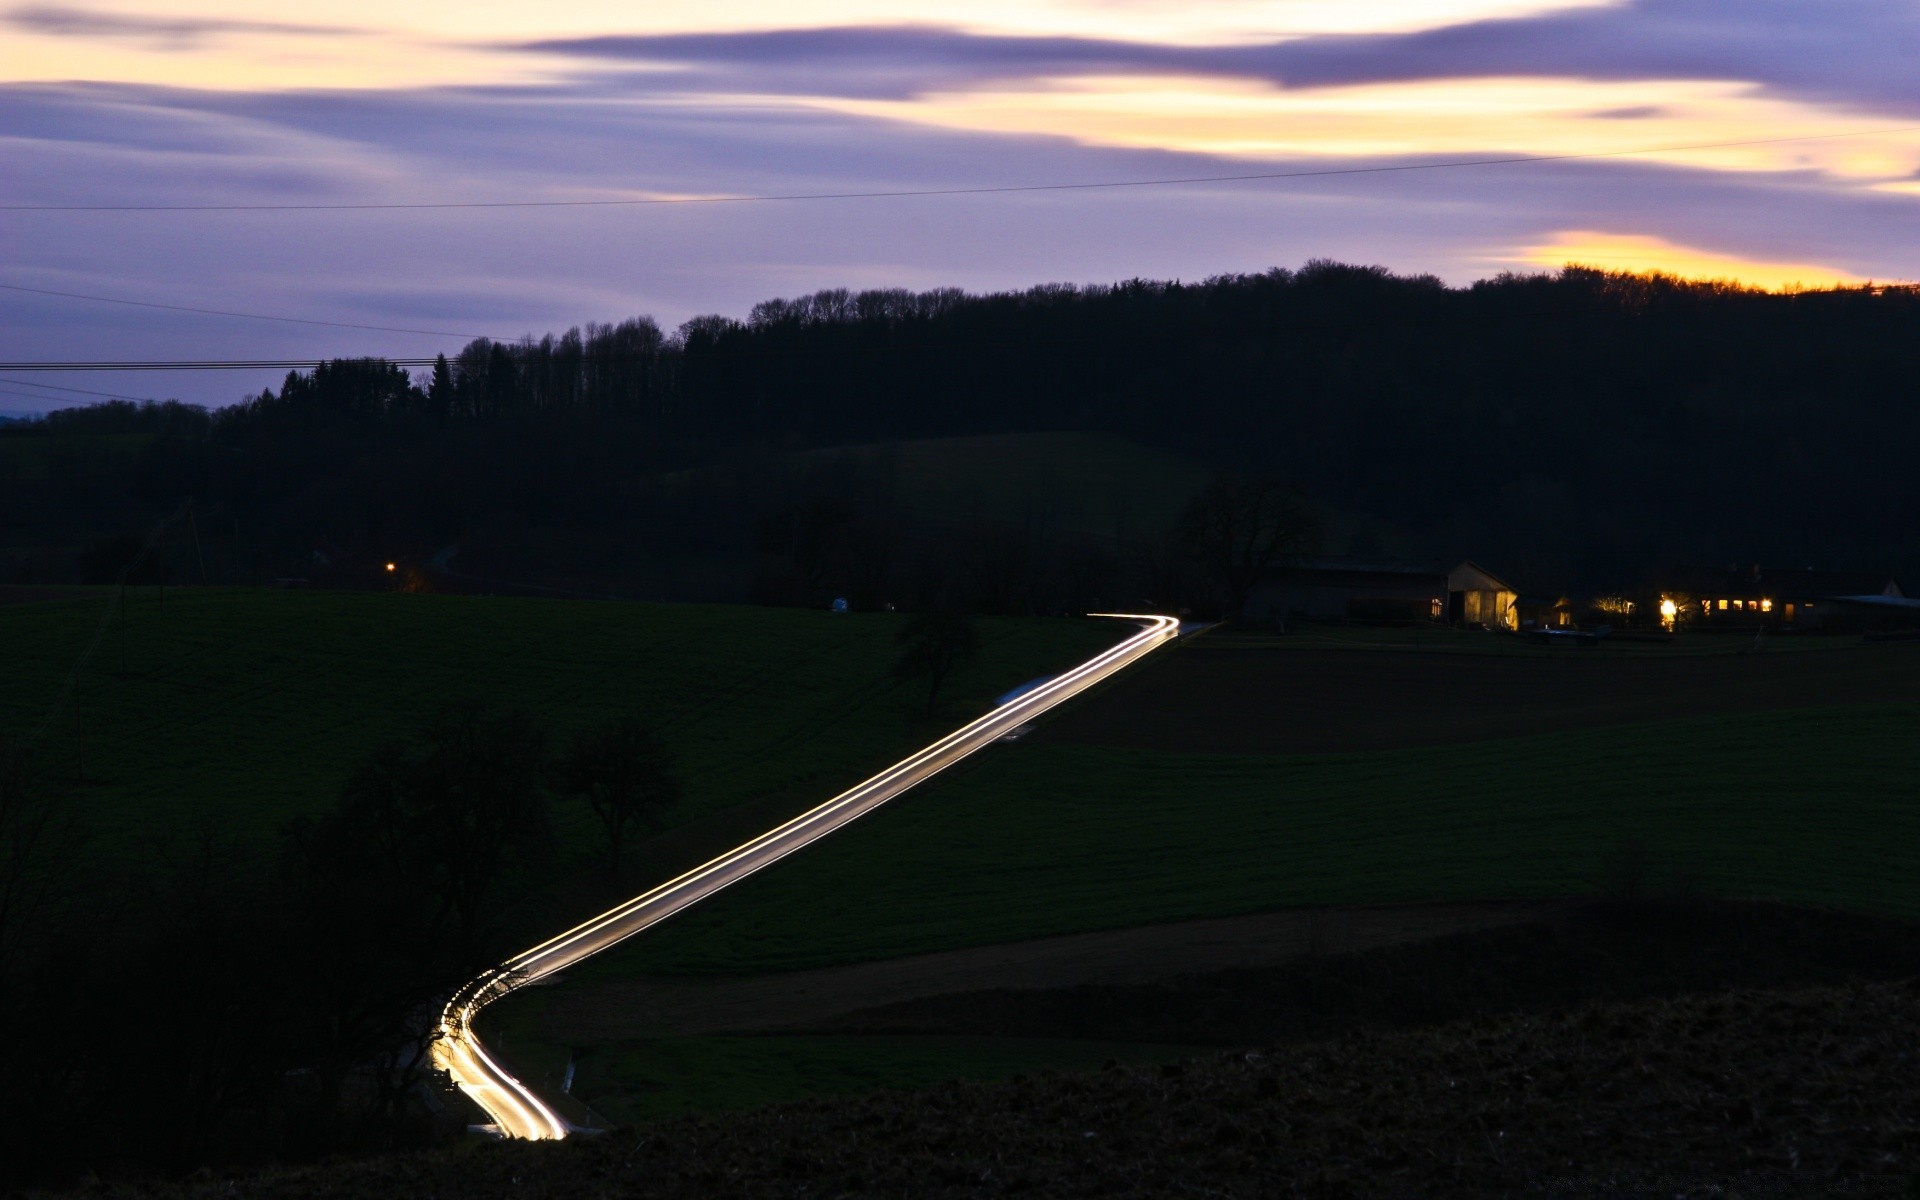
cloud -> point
(1854, 52)
(881, 61)
(1846, 51)
(61, 20)
(532, 270)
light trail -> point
(516, 1110)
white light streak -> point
(513, 1105)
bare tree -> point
(1242, 526)
(622, 772)
(452, 811)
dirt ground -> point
(590, 1012)
(1280, 701)
(1798, 1092)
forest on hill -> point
(1576, 429)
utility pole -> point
(197, 553)
(79, 738)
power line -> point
(27, 395)
(292, 364)
(217, 312)
(54, 387)
(954, 191)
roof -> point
(1498, 584)
(1878, 600)
(1756, 582)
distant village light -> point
(390, 566)
(1669, 611)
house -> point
(1543, 610)
(1476, 597)
(1755, 597)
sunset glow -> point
(1618, 252)
(360, 43)
(1666, 120)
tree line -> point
(1579, 428)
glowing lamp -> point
(1669, 610)
(389, 566)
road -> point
(516, 1110)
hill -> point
(176, 827)
(226, 712)
(1445, 782)
(1578, 430)
(1074, 832)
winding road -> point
(516, 1110)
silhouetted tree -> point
(1242, 526)
(440, 394)
(455, 809)
(621, 771)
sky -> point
(1771, 141)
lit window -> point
(1723, 605)
(1766, 606)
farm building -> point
(1476, 597)
(1752, 596)
(1349, 590)
(1543, 611)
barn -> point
(1337, 589)
(1477, 597)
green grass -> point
(648, 1079)
(230, 711)
(1816, 806)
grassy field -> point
(222, 713)
(1816, 806)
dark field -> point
(1315, 701)
(991, 1012)
(1797, 1092)
(211, 717)
(1055, 863)
(1812, 807)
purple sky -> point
(165, 103)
